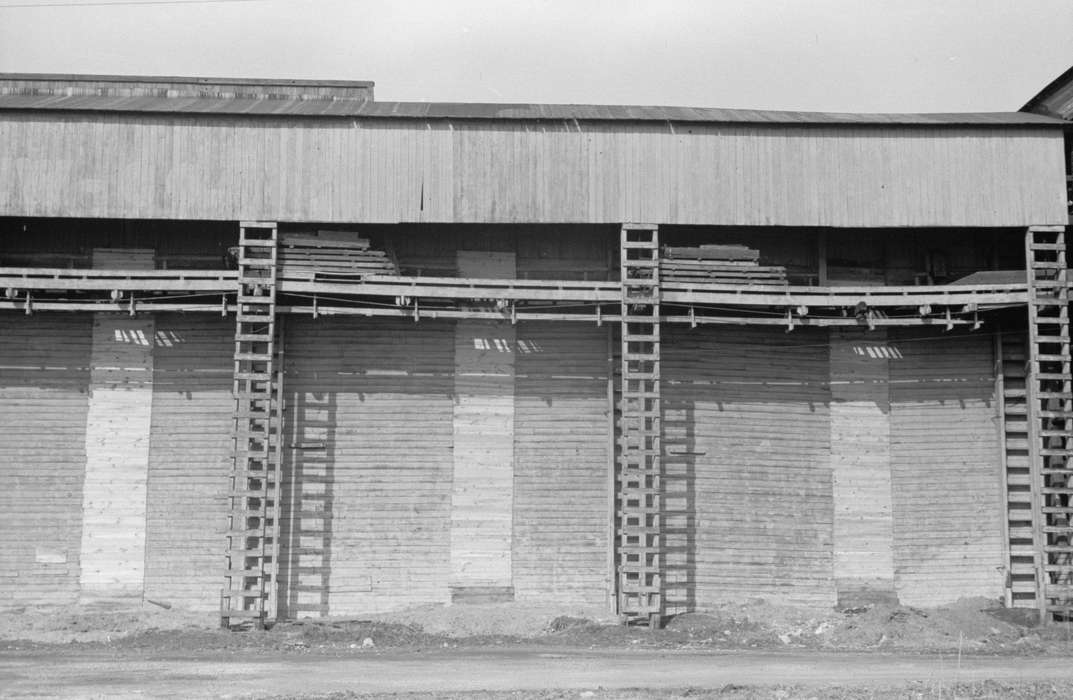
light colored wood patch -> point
(117, 457)
(860, 463)
(482, 498)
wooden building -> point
(280, 345)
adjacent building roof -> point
(1055, 100)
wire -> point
(106, 3)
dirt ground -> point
(972, 626)
(132, 636)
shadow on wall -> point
(307, 494)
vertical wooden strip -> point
(117, 457)
(860, 465)
(482, 498)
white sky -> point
(839, 55)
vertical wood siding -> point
(946, 474)
(44, 375)
(382, 170)
(747, 431)
(189, 460)
(370, 402)
(561, 472)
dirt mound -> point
(98, 622)
(967, 625)
(523, 620)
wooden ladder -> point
(1050, 418)
(249, 594)
(1022, 577)
(639, 556)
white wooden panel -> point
(482, 499)
(117, 456)
(44, 373)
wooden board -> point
(44, 375)
(746, 442)
(384, 170)
(946, 476)
(561, 487)
(482, 498)
(860, 466)
(117, 457)
(370, 429)
(123, 259)
(189, 460)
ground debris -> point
(974, 625)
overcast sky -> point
(836, 55)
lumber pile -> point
(718, 264)
(331, 254)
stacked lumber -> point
(718, 264)
(331, 254)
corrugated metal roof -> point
(451, 110)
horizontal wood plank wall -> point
(44, 375)
(117, 457)
(861, 466)
(746, 414)
(383, 170)
(946, 476)
(377, 399)
(561, 517)
(189, 460)
(482, 496)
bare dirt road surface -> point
(528, 673)
(971, 649)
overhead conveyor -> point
(213, 291)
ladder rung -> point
(242, 613)
(258, 533)
(248, 493)
(253, 356)
(254, 376)
(244, 573)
